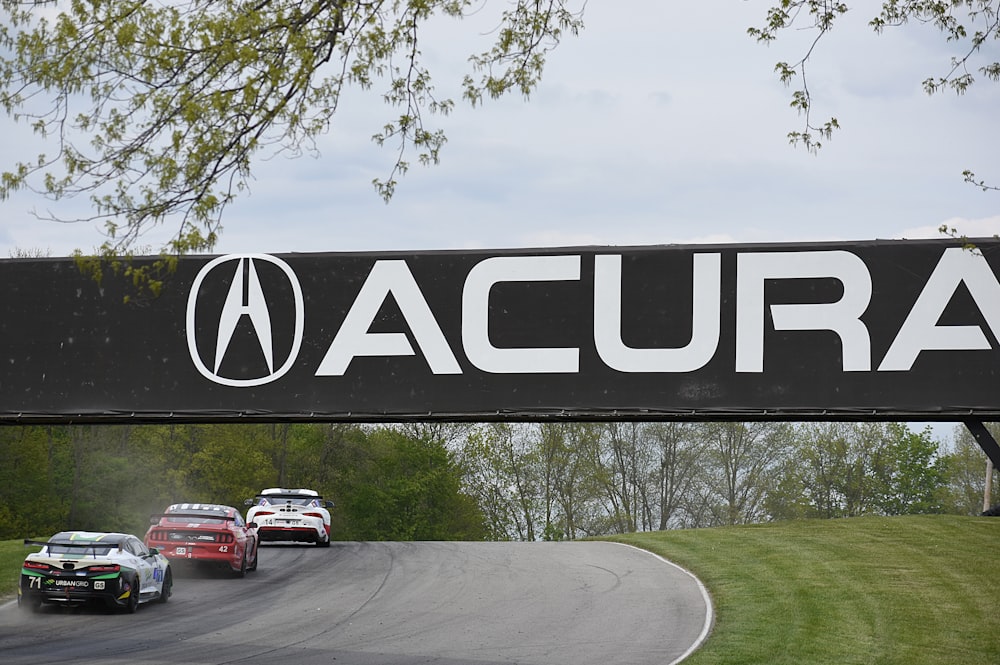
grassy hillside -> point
(920, 590)
(12, 553)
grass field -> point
(12, 553)
(918, 590)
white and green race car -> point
(75, 567)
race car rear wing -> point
(276, 499)
(89, 545)
(155, 519)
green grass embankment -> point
(920, 590)
(12, 553)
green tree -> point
(965, 474)
(157, 111)
(32, 476)
(407, 489)
(103, 478)
(500, 466)
(910, 474)
(568, 479)
(742, 465)
(834, 463)
(680, 458)
(232, 462)
(628, 461)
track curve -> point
(393, 604)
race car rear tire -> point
(323, 543)
(132, 604)
(256, 553)
(168, 586)
(243, 566)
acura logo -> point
(246, 310)
(244, 305)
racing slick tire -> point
(242, 572)
(324, 543)
(133, 596)
(256, 554)
(168, 586)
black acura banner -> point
(833, 331)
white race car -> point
(298, 515)
(75, 567)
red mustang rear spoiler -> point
(154, 519)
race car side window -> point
(136, 547)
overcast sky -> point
(662, 122)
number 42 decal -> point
(223, 548)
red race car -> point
(205, 533)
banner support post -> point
(985, 440)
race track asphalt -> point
(397, 603)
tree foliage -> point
(833, 470)
(386, 485)
(500, 462)
(406, 488)
(570, 480)
(969, 25)
(911, 476)
(744, 458)
(498, 481)
(158, 111)
(965, 491)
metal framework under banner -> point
(985, 440)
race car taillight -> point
(225, 538)
(263, 512)
(32, 565)
(313, 515)
(114, 568)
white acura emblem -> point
(245, 298)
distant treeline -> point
(386, 483)
(495, 481)
(568, 480)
